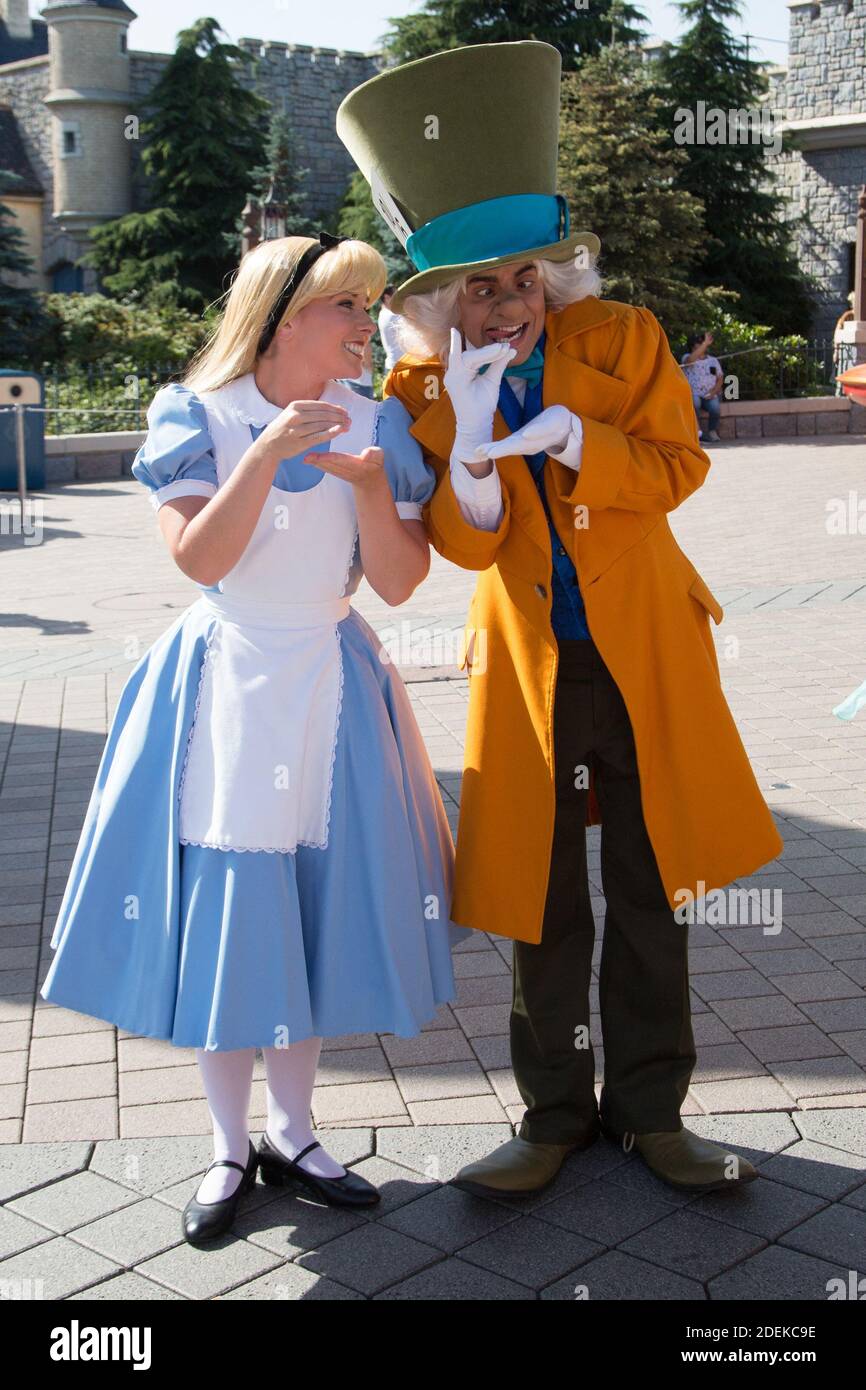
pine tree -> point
(578, 28)
(280, 171)
(618, 175)
(203, 134)
(20, 312)
(748, 246)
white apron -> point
(261, 752)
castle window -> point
(123, 42)
(67, 278)
(70, 140)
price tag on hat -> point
(386, 206)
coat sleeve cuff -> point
(603, 466)
(454, 537)
(480, 499)
(184, 487)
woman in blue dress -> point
(266, 860)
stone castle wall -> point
(24, 88)
(306, 83)
(826, 76)
(826, 59)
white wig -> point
(427, 319)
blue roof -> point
(12, 50)
(13, 157)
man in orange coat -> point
(561, 434)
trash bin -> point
(24, 388)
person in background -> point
(705, 377)
(388, 326)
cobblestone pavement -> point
(103, 1133)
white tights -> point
(228, 1079)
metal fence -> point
(780, 370)
(96, 396)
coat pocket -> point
(699, 590)
(596, 394)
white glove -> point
(473, 396)
(548, 433)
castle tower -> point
(16, 14)
(89, 101)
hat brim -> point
(427, 280)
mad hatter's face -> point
(504, 305)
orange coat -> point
(646, 607)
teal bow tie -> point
(532, 368)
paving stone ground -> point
(102, 1134)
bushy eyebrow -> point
(492, 278)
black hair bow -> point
(309, 258)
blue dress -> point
(224, 948)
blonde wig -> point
(232, 350)
(426, 319)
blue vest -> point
(567, 615)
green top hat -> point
(460, 151)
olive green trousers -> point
(649, 1050)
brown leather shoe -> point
(518, 1165)
(685, 1161)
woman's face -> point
(333, 332)
(505, 304)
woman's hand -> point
(365, 471)
(395, 554)
(207, 537)
(301, 425)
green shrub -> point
(767, 366)
(84, 328)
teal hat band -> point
(484, 231)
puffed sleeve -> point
(412, 480)
(177, 458)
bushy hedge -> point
(82, 328)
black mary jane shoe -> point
(349, 1190)
(204, 1221)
